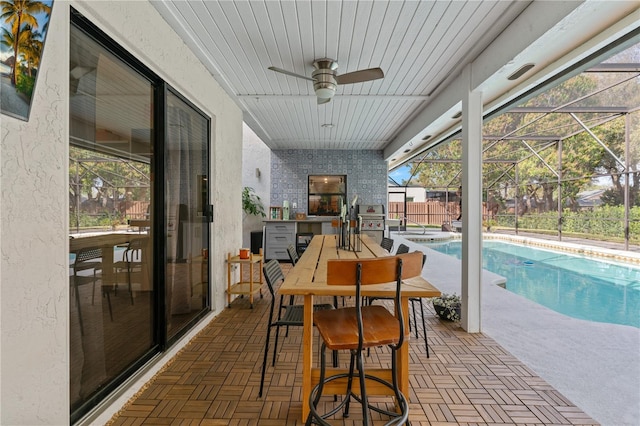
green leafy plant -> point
(447, 306)
(25, 85)
(251, 202)
(489, 223)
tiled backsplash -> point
(366, 175)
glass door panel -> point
(112, 300)
(187, 212)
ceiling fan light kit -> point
(324, 83)
(325, 80)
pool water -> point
(573, 285)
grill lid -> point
(370, 209)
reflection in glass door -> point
(187, 214)
(112, 289)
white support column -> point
(471, 207)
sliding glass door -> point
(188, 213)
(139, 215)
(111, 284)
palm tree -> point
(31, 48)
(7, 38)
(23, 42)
(19, 13)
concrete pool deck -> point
(595, 365)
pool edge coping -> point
(591, 251)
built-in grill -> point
(372, 217)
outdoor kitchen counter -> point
(308, 219)
(280, 233)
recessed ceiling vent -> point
(520, 72)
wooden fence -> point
(428, 212)
(134, 209)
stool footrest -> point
(335, 383)
(338, 386)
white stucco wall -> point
(34, 286)
(255, 156)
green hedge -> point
(604, 223)
(96, 220)
(25, 84)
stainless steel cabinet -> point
(278, 236)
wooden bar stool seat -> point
(359, 327)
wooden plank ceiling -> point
(419, 45)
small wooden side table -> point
(244, 287)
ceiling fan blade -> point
(360, 76)
(292, 74)
(323, 101)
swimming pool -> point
(573, 285)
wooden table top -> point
(309, 276)
(102, 240)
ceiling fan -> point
(325, 80)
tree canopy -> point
(575, 133)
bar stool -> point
(387, 244)
(287, 315)
(413, 301)
(293, 254)
(359, 327)
(402, 248)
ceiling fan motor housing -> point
(325, 84)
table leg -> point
(403, 353)
(108, 274)
(307, 353)
(229, 280)
(260, 273)
(251, 283)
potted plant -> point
(489, 223)
(252, 219)
(251, 203)
(447, 306)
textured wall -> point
(366, 174)
(34, 284)
(255, 155)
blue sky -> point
(400, 174)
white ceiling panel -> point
(421, 46)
